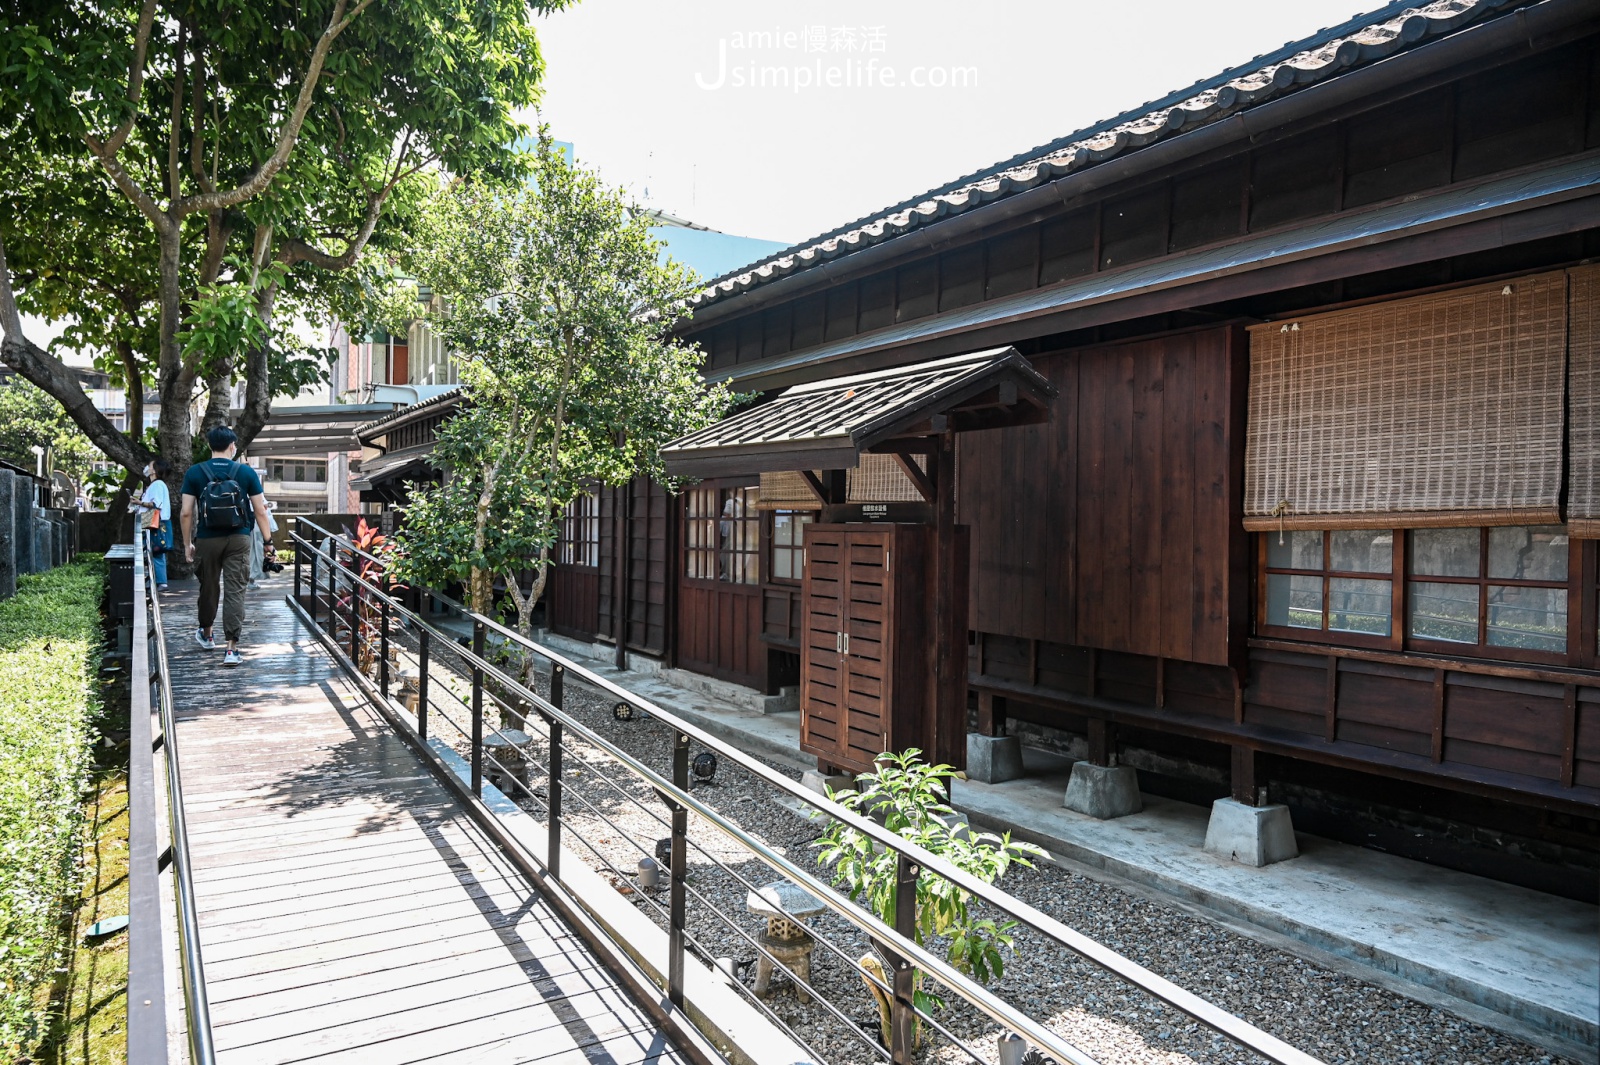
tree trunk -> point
(219, 401)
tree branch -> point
(197, 140)
(141, 45)
(61, 383)
(257, 182)
(175, 133)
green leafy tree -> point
(182, 178)
(909, 797)
(560, 311)
(29, 418)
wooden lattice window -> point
(722, 535)
(580, 533)
(788, 543)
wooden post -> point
(991, 714)
(950, 650)
(619, 583)
(1243, 776)
(1102, 740)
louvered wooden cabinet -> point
(867, 665)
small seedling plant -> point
(910, 798)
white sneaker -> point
(233, 658)
(203, 640)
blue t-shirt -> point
(196, 479)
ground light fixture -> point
(622, 711)
(704, 767)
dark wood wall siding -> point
(650, 519)
(1488, 729)
(780, 616)
(1534, 110)
(719, 631)
(573, 601)
(1110, 526)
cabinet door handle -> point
(846, 636)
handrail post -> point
(313, 585)
(383, 641)
(553, 790)
(680, 831)
(297, 574)
(422, 686)
(333, 594)
(902, 1009)
(354, 620)
(477, 710)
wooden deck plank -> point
(295, 1008)
(350, 910)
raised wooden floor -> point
(350, 910)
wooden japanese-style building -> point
(1309, 510)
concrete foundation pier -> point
(1250, 835)
(1103, 791)
(993, 759)
(820, 782)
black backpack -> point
(223, 505)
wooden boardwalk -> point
(350, 910)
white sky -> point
(634, 84)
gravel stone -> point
(613, 819)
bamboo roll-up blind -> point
(1445, 409)
(786, 490)
(879, 479)
(1583, 403)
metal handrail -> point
(913, 859)
(147, 1031)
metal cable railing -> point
(362, 578)
(147, 857)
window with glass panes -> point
(788, 543)
(722, 535)
(1499, 591)
(1339, 580)
(309, 471)
(580, 533)
(1502, 587)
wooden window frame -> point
(1324, 634)
(1583, 604)
(580, 533)
(717, 553)
(770, 546)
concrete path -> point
(1519, 960)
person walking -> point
(258, 557)
(222, 498)
(155, 517)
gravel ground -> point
(1330, 1015)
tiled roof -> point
(403, 413)
(826, 424)
(1361, 41)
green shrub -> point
(909, 798)
(49, 638)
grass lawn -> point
(50, 642)
(91, 1025)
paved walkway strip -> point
(350, 910)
